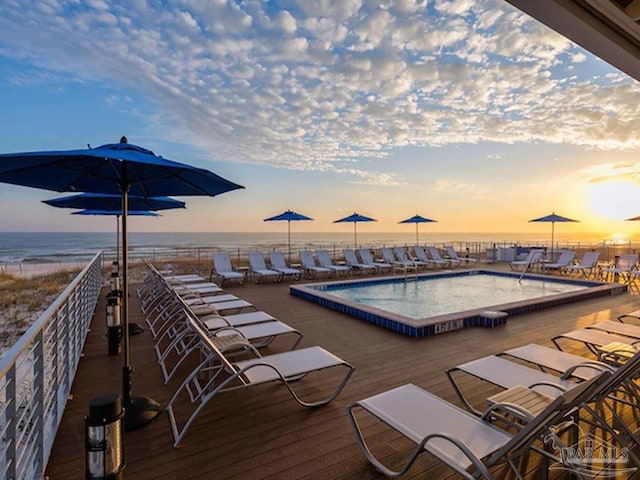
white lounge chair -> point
(565, 364)
(367, 259)
(451, 252)
(399, 264)
(282, 368)
(259, 270)
(276, 259)
(310, 267)
(626, 268)
(402, 254)
(466, 443)
(564, 260)
(324, 259)
(421, 255)
(354, 263)
(223, 270)
(173, 348)
(434, 253)
(534, 257)
(586, 265)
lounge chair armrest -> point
(556, 430)
(627, 315)
(463, 448)
(547, 384)
(214, 333)
(508, 407)
(591, 364)
(214, 316)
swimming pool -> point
(437, 302)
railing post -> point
(10, 422)
(38, 401)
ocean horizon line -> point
(321, 232)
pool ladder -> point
(414, 277)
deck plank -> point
(261, 433)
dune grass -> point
(22, 301)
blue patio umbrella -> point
(123, 169)
(111, 204)
(553, 218)
(289, 216)
(130, 213)
(355, 218)
(417, 219)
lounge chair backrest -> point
(420, 253)
(589, 259)
(277, 259)
(306, 258)
(452, 252)
(388, 255)
(566, 257)
(435, 254)
(627, 261)
(206, 341)
(401, 254)
(256, 260)
(553, 414)
(365, 255)
(534, 256)
(324, 259)
(350, 256)
(222, 262)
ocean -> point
(63, 247)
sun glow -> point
(616, 200)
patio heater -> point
(104, 438)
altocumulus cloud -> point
(319, 82)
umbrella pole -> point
(118, 240)
(289, 239)
(417, 243)
(553, 224)
(139, 410)
(355, 235)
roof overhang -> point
(607, 28)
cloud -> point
(328, 81)
(442, 185)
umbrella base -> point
(139, 412)
(135, 329)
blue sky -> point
(468, 112)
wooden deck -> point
(261, 433)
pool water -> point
(429, 297)
(438, 302)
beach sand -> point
(30, 270)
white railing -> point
(36, 376)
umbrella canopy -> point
(130, 213)
(417, 219)
(355, 218)
(111, 202)
(553, 218)
(120, 169)
(289, 216)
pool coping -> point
(450, 321)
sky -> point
(467, 112)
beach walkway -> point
(261, 433)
